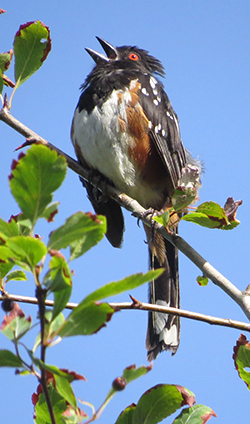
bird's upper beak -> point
(109, 50)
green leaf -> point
(128, 283)
(9, 229)
(58, 404)
(50, 211)
(34, 178)
(81, 231)
(17, 275)
(26, 251)
(5, 59)
(32, 45)
(126, 416)
(59, 276)
(129, 374)
(4, 267)
(200, 219)
(64, 388)
(61, 298)
(198, 414)
(1, 84)
(132, 373)
(15, 325)
(5, 254)
(86, 319)
(183, 197)
(202, 281)
(242, 359)
(161, 401)
(8, 359)
(58, 280)
(209, 215)
(163, 219)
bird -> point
(125, 129)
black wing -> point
(164, 126)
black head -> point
(124, 57)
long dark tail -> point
(163, 329)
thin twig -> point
(40, 297)
(141, 306)
(241, 298)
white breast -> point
(104, 147)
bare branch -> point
(241, 298)
(141, 306)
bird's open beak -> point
(110, 51)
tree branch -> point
(141, 306)
(241, 298)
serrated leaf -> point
(161, 401)
(126, 416)
(26, 251)
(17, 275)
(8, 359)
(81, 231)
(128, 283)
(198, 414)
(32, 45)
(34, 178)
(86, 319)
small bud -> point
(119, 384)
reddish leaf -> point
(207, 416)
(73, 374)
(15, 312)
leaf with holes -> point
(32, 45)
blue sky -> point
(204, 47)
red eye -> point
(133, 56)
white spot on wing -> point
(156, 102)
(144, 91)
(152, 82)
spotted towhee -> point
(125, 128)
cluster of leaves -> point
(34, 178)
